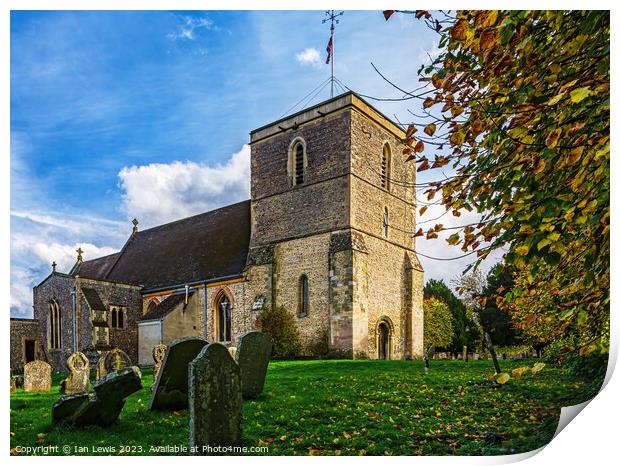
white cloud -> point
(309, 56)
(35, 245)
(188, 26)
(161, 192)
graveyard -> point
(337, 407)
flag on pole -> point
(330, 47)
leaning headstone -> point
(215, 401)
(158, 356)
(37, 377)
(103, 407)
(252, 355)
(79, 374)
(116, 360)
(170, 390)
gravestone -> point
(253, 353)
(101, 372)
(37, 376)
(13, 385)
(158, 356)
(102, 408)
(92, 355)
(215, 400)
(79, 374)
(170, 390)
(116, 360)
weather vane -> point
(333, 18)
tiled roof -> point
(93, 299)
(96, 268)
(206, 246)
(165, 307)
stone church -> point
(327, 235)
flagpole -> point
(333, 57)
(334, 19)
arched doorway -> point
(383, 340)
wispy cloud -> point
(162, 192)
(190, 26)
(309, 56)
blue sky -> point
(116, 115)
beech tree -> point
(516, 110)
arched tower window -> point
(303, 296)
(114, 318)
(386, 166)
(54, 325)
(223, 307)
(386, 221)
(297, 161)
(121, 318)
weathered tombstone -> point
(101, 372)
(465, 354)
(37, 376)
(116, 360)
(430, 352)
(253, 355)
(170, 390)
(13, 385)
(158, 356)
(102, 408)
(79, 374)
(215, 401)
(92, 355)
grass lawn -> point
(345, 407)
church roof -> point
(165, 307)
(96, 268)
(210, 245)
(93, 299)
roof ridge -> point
(120, 254)
(193, 216)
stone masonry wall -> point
(393, 287)
(21, 330)
(57, 286)
(281, 211)
(183, 320)
(113, 294)
(309, 256)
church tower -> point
(332, 221)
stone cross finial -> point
(54, 266)
(135, 225)
(79, 251)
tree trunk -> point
(487, 337)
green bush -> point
(438, 329)
(281, 328)
(319, 347)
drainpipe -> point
(204, 309)
(161, 331)
(73, 310)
